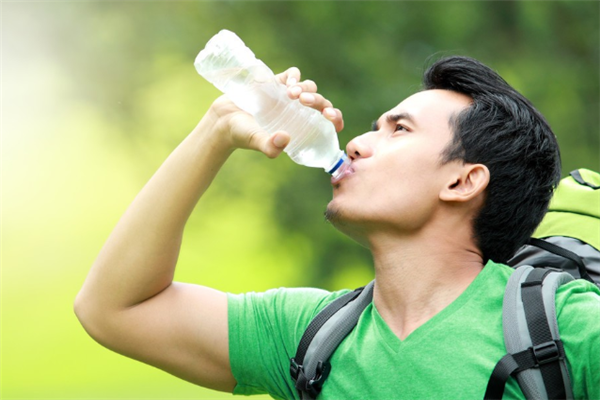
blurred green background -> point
(96, 94)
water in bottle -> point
(232, 67)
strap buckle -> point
(316, 384)
(311, 386)
(545, 353)
(294, 368)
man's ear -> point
(469, 181)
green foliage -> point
(96, 94)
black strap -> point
(512, 364)
(544, 347)
(506, 367)
(579, 179)
(562, 252)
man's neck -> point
(416, 278)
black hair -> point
(502, 130)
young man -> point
(447, 185)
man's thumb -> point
(276, 144)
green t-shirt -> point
(451, 356)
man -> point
(448, 184)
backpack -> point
(565, 246)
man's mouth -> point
(345, 170)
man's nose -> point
(359, 147)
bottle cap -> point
(342, 164)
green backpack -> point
(579, 197)
(569, 236)
(565, 246)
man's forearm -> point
(138, 260)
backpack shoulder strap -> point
(536, 355)
(310, 367)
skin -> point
(130, 304)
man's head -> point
(468, 145)
(502, 130)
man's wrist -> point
(213, 131)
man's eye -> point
(400, 128)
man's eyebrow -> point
(393, 118)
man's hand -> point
(243, 131)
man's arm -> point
(129, 302)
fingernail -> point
(279, 141)
(307, 98)
(296, 90)
(291, 81)
(329, 113)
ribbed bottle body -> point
(229, 65)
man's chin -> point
(335, 217)
(331, 214)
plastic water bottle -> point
(232, 68)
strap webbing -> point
(506, 367)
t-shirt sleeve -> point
(578, 313)
(264, 332)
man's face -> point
(396, 173)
